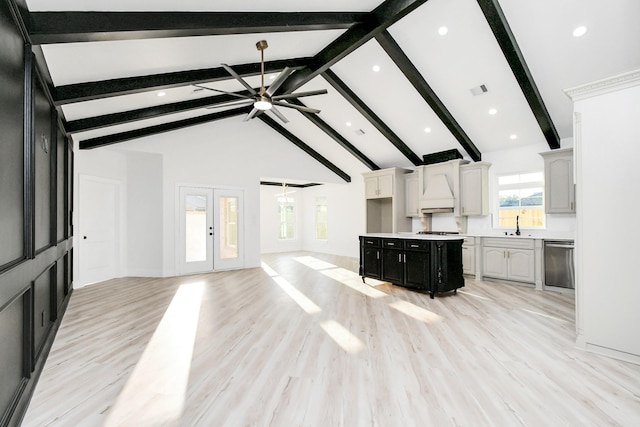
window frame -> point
(518, 186)
(285, 201)
(319, 202)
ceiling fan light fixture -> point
(262, 103)
(580, 31)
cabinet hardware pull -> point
(414, 246)
(404, 258)
(377, 254)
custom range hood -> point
(437, 196)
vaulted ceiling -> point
(106, 61)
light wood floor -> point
(301, 342)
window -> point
(287, 215)
(321, 218)
(521, 196)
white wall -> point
(608, 148)
(269, 220)
(345, 216)
(225, 154)
(140, 234)
(144, 214)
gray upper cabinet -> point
(559, 187)
(474, 189)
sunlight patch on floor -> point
(270, 271)
(301, 299)
(345, 339)
(313, 262)
(352, 280)
(416, 312)
(474, 295)
(155, 392)
(548, 316)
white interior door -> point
(98, 217)
(196, 230)
(228, 229)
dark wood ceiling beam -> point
(75, 27)
(332, 133)
(363, 109)
(507, 41)
(97, 122)
(78, 92)
(420, 84)
(303, 146)
(115, 138)
(280, 184)
(381, 18)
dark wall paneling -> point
(68, 232)
(36, 165)
(61, 184)
(67, 272)
(12, 354)
(43, 147)
(12, 88)
(42, 310)
(61, 286)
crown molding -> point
(603, 86)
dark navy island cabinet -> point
(429, 265)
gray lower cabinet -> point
(427, 265)
(509, 259)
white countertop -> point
(409, 235)
(551, 236)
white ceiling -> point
(467, 56)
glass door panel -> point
(196, 230)
(228, 227)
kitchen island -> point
(429, 263)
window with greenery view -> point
(321, 218)
(287, 215)
(521, 196)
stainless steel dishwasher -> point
(558, 264)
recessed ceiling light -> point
(349, 124)
(580, 31)
(513, 136)
(427, 130)
(162, 93)
(376, 68)
(493, 111)
(443, 30)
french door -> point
(211, 229)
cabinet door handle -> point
(377, 254)
(399, 257)
(404, 258)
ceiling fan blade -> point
(300, 94)
(238, 95)
(278, 81)
(231, 103)
(238, 78)
(278, 114)
(297, 107)
(251, 114)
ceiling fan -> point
(265, 100)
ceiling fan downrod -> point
(261, 46)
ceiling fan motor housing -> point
(262, 45)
